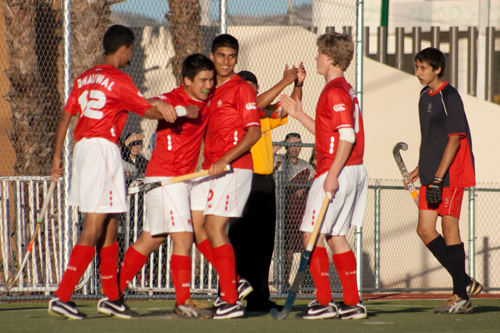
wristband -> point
(437, 179)
(181, 111)
(299, 85)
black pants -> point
(252, 237)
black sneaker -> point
(191, 309)
(244, 289)
(117, 309)
(226, 311)
(68, 310)
(318, 311)
(264, 307)
(474, 288)
(357, 311)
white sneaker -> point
(318, 311)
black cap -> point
(248, 76)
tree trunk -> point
(184, 18)
(29, 98)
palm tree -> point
(30, 99)
(184, 18)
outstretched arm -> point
(266, 98)
(294, 109)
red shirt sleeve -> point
(246, 103)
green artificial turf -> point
(383, 316)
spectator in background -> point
(131, 153)
(295, 174)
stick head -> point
(400, 146)
(10, 283)
(278, 315)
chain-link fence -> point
(272, 34)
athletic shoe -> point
(117, 309)
(318, 311)
(191, 309)
(474, 288)
(226, 311)
(68, 310)
(455, 305)
(244, 288)
(357, 311)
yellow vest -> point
(262, 151)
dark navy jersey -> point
(442, 115)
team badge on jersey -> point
(339, 107)
(429, 108)
(251, 106)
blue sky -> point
(156, 9)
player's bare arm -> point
(414, 176)
(250, 138)
(161, 110)
(57, 168)
(294, 109)
(343, 151)
(449, 155)
(192, 111)
(266, 98)
(299, 82)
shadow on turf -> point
(485, 309)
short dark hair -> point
(115, 37)
(194, 64)
(434, 57)
(248, 76)
(292, 135)
(225, 40)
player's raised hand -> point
(192, 111)
(167, 111)
(292, 106)
(301, 73)
(290, 75)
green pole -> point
(384, 13)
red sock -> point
(79, 260)
(318, 266)
(180, 266)
(225, 265)
(345, 263)
(131, 265)
(206, 250)
(108, 269)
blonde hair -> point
(339, 47)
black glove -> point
(434, 192)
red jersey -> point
(232, 109)
(337, 108)
(178, 145)
(103, 95)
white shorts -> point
(199, 193)
(347, 208)
(97, 177)
(167, 208)
(226, 195)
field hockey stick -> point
(404, 172)
(150, 186)
(12, 280)
(278, 315)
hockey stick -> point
(401, 165)
(279, 315)
(12, 280)
(150, 186)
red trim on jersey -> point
(438, 90)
